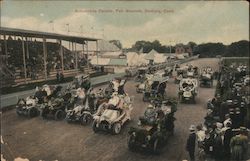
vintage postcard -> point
(124, 80)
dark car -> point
(154, 128)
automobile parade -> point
(124, 81)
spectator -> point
(228, 134)
(190, 146)
(238, 146)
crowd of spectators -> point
(35, 59)
(224, 135)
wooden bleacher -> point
(52, 76)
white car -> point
(111, 116)
(188, 89)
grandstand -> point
(33, 56)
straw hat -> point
(192, 128)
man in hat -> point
(227, 119)
(238, 118)
(190, 146)
(208, 143)
(238, 145)
(228, 134)
(86, 84)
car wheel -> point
(86, 119)
(156, 147)
(18, 112)
(181, 99)
(211, 84)
(131, 143)
(60, 115)
(94, 127)
(193, 100)
(32, 112)
(117, 128)
(44, 113)
(68, 118)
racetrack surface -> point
(38, 139)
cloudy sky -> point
(170, 22)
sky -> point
(169, 22)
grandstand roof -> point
(39, 34)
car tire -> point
(18, 112)
(181, 99)
(116, 128)
(68, 118)
(60, 115)
(131, 143)
(32, 112)
(95, 129)
(85, 119)
(211, 84)
(193, 100)
(156, 147)
(44, 113)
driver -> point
(121, 87)
(47, 89)
(80, 93)
(30, 101)
(86, 84)
(114, 85)
(114, 101)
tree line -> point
(239, 48)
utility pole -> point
(68, 27)
(81, 30)
(170, 46)
(52, 22)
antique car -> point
(141, 74)
(111, 116)
(188, 90)
(47, 92)
(154, 128)
(83, 110)
(142, 86)
(55, 107)
(27, 107)
(155, 88)
(80, 81)
(206, 77)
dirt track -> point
(38, 139)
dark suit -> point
(190, 146)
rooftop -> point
(39, 34)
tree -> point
(240, 48)
(116, 43)
(210, 49)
